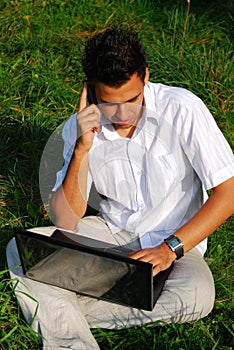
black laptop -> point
(89, 267)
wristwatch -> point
(175, 244)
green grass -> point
(41, 78)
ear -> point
(146, 76)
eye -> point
(134, 98)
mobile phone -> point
(91, 95)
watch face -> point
(175, 242)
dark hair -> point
(113, 56)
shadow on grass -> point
(21, 146)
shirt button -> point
(142, 206)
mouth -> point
(122, 122)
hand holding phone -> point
(88, 118)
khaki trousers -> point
(64, 319)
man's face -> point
(122, 105)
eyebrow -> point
(130, 100)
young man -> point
(152, 151)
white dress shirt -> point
(156, 180)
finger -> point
(143, 258)
(156, 270)
(83, 98)
(142, 253)
(91, 127)
(89, 114)
(88, 122)
(96, 128)
(136, 255)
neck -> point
(128, 132)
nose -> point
(121, 111)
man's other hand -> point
(161, 257)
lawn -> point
(188, 45)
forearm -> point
(212, 214)
(69, 203)
(218, 208)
